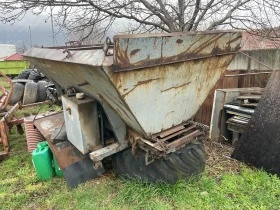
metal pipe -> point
(246, 74)
(35, 104)
(101, 126)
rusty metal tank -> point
(152, 81)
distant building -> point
(6, 50)
(14, 57)
(263, 49)
(258, 42)
(13, 64)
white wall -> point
(270, 57)
(6, 50)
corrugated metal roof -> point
(256, 42)
(14, 57)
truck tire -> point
(42, 91)
(30, 93)
(17, 93)
(34, 74)
(182, 164)
(24, 74)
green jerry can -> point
(57, 170)
(42, 161)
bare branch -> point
(95, 16)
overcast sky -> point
(41, 33)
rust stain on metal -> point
(46, 125)
(179, 132)
(169, 113)
(133, 52)
(170, 131)
(184, 140)
(138, 84)
(179, 41)
(5, 97)
(147, 81)
(64, 151)
(179, 86)
(7, 116)
(171, 140)
(4, 138)
(122, 61)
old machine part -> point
(9, 120)
(76, 167)
(141, 92)
(259, 145)
(33, 136)
(232, 110)
(5, 119)
(81, 122)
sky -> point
(18, 33)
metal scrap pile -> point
(232, 111)
(240, 112)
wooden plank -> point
(4, 140)
(250, 104)
(257, 97)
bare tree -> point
(92, 35)
(84, 16)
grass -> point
(20, 188)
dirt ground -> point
(219, 160)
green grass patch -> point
(20, 188)
(4, 83)
(36, 110)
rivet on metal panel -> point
(68, 109)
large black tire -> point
(24, 74)
(30, 93)
(34, 75)
(42, 91)
(17, 93)
(182, 164)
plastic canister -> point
(42, 161)
(57, 170)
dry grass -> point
(219, 160)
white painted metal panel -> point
(154, 97)
(81, 122)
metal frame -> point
(218, 128)
(175, 81)
(159, 146)
(170, 140)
